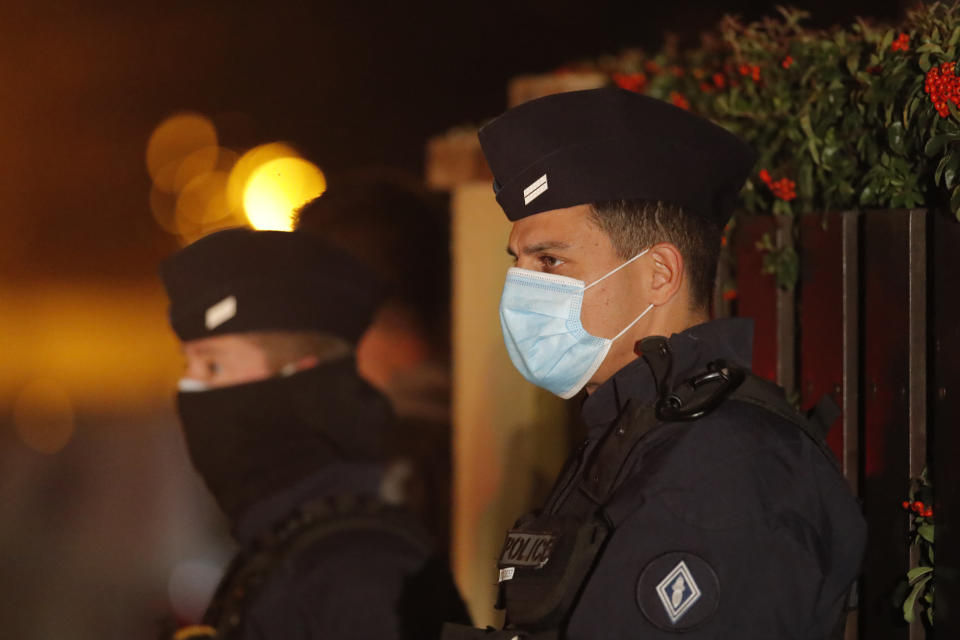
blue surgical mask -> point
(540, 318)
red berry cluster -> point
(943, 86)
(679, 100)
(787, 62)
(902, 43)
(752, 71)
(719, 80)
(784, 188)
(652, 67)
(631, 81)
(918, 508)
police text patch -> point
(678, 591)
(525, 549)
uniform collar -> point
(333, 479)
(729, 338)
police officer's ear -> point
(665, 276)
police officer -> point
(701, 504)
(290, 441)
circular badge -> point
(678, 591)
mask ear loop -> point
(604, 277)
(635, 321)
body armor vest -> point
(547, 557)
(312, 522)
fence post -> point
(786, 316)
(917, 375)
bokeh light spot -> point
(174, 140)
(277, 189)
(195, 164)
(43, 416)
(248, 163)
(203, 200)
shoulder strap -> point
(762, 393)
(311, 523)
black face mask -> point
(250, 440)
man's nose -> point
(528, 262)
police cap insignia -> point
(612, 144)
(678, 591)
(239, 280)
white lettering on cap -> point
(221, 312)
(536, 188)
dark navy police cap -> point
(611, 144)
(240, 280)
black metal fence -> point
(874, 321)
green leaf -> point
(888, 114)
(936, 144)
(896, 136)
(853, 62)
(765, 243)
(925, 62)
(807, 127)
(930, 47)
(950, 176)
(909, 110)
(887, 40)
(938, 174)
(910, 603)
(954, 37)
(805, 185)
(952, 171)
(917, 572)
(955, 201)
(926, 532)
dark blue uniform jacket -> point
(355, 584)
(735, 525)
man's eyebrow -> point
(541, 246)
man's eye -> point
(214, 368)
(550, 262)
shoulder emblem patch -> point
(678, 591)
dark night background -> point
(352, 84)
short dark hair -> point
(634, 225)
